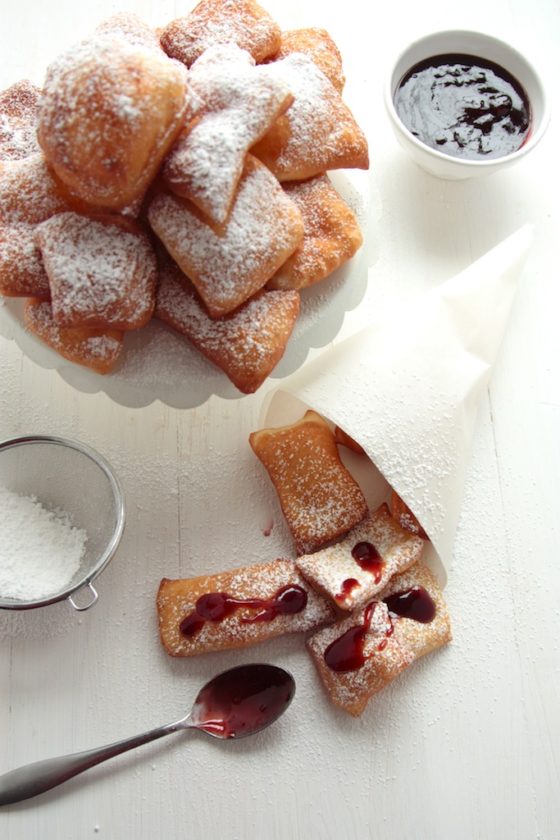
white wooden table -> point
(465, 745)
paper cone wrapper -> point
(407, 390)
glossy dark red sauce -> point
(216, 606)
(464, 106)
(347, 652)
(348, 586)
(243, 700)
(414, 603)
(368, 558)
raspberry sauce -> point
(216, 606)
(368, 558)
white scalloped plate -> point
(158, 364)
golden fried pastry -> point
(344, 439)
(102, 271)
(405, 517)
(241, 102)
(93, 348)
(19, 113)
(331, 234)
(240, 22)
(28, 195)
(111, 111)
(359, 656)
(318, 131)
(353, 571)
(319, 498)
(227, 268)
(237, 608)
(132, 29)
(246, 345)
(320, 47)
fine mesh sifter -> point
(65, 475)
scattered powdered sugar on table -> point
(40, 549)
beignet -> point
(353, 571)
(211, 22)
(263, 229)
(359, 656)
(237, 608)
(247, 344)
(102, 271)
(319, 498)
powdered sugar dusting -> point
(264, 227)
(100, 274)
(19, 112)
(246, 344)
(241, 102)
(328, 569)
(321, 132)
(240, 22)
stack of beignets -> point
(215, 138)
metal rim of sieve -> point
(118, 500)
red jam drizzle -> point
(347, 588)
(216, 606)
(347, 652)
(368, 558)
(414, 603)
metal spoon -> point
(235, 704)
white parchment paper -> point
(407, 389)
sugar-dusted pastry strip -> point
(263, 229)
(111, 110)
(94, 348)
(320, 47)
(402, 513)
(319, 498)
(130, 28)
(331, 234)
(28, 195)
(318, 131)
(19, 114)
(237, 608)
(353, 571)
(102, 271)
(240, 103)
(359, 656)
(247, 344)
(241, 22)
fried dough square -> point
(354, 570)
(359, 656)
(132, 29)
(241, 102)
(19, 114)
(319, 498)
(111, 110)
(237, 608)
(402, 513)
(246, 345)
(230, 266)
(331, 234)
(320, 47)
(318, 131)
(93, 348)
(28, 195)
(241, 22)
(102, 271)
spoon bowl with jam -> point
(465, 104)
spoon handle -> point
(32, 779)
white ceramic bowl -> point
(70, 476)
(483, 46)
